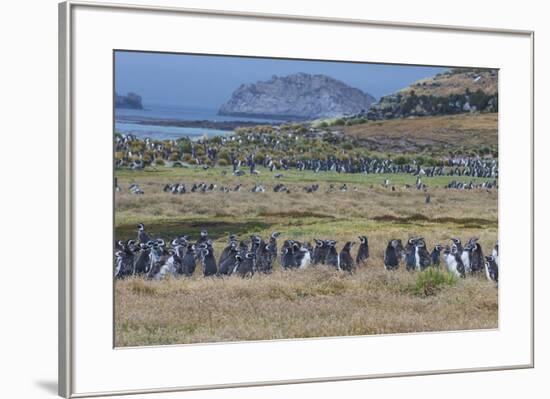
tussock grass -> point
(317, 302)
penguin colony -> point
(137, 154)
(154, 259)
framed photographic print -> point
(255, 199)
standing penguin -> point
(454, 261)
(273, 245)
(410, 254)
(302, 255)
(436, 255)
(422, 256)
(477, 260)
(345, 259)
(495, 253)
(229, 261)
(227, 251)
(208, 261)
(332, 258)
(202, 239)
(288, 260)
(491, 269)
(143, 237)
(363, 251)
(188, 263)
(392, 254)
(319, 252)
(245, 265)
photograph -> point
(275, 198)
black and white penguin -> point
(142, 262)
(229, 249)
(345, 259)
(491, 268)
(319, 252)
(422, 255)
(436, 255)
(264, 260)
(453, 261)
(228, 263)
(477, 259)
(392, 254)
(273, 244)
(143, 237)
(208, 261)
(332, 258)
(245, 265)
(288, 260)
(302, 255)
(188, 262)
(203, 238)
(124, 259)
(410, 254)
(363, 251)
(494, 253)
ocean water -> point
(125, 121)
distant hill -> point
(297, 97)
(459, 90)
(130, 100)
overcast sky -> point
(208, 81)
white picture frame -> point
(85, 338)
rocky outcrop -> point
(130, 100)
(297, 97)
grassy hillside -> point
(434, 135)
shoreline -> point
(204, 124)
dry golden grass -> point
(316, 302)
(309, 303)
(467, 131)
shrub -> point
(339, 122)
(159, 162)
(431, 281)
(222, 162)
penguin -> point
(142, 263)
(463, 253)
(208, 261)
(363, 251)
(410, 254)
(454, 261)
(491, 268)
(332, 258)
(124, 259)
(230, 250)
(302, 256)
(228, 263)
(263, 255)
(188, 264)
(288, 260)
(436, 255)
(245, 265)
(319, 252)
(202, 239)
(494, 253)
(477, 260)
(422, 256)
(345, 259)
(392, 254)
(143, 237)
(273, 245)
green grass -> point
(431, 281)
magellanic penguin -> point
(392, 254)
(332, 258)
(273, 244)
(477, 259)
(319, 252)
(188, 262)
(228, 263)
(410, 254)
(454, 261)
(208, 261)
(143, 237)
(345, 259)
(363, 251)
(436, 255)
(302, 255)
(288, 259)
(142, 263)
(491, 268)
(422, 256)
(244, 266)
(495, 253)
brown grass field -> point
(314, 302)
(435, 134)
